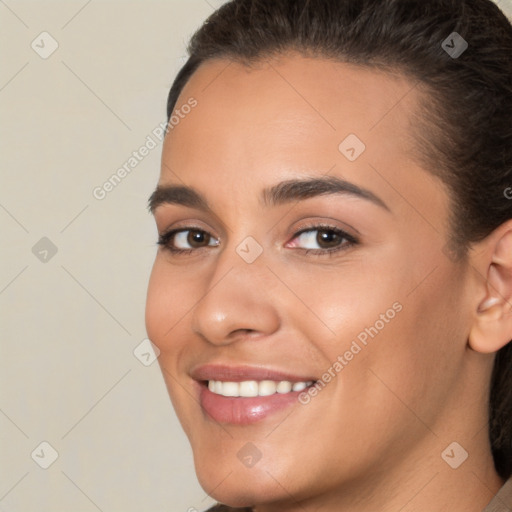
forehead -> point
(291, 105)
(292, 116)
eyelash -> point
(164, 240)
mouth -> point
(252, 388)
(245, 395)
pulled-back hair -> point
(464, 133)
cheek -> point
(164, 309)
(416, 359)
(396, 338)
(343, 303)
(170, 297)
(158, 302)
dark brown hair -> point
(465, 124)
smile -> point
(253, 388)
(245, 394)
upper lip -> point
(241, 373)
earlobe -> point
(492, 327)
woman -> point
(332, 294)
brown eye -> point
(322, 240)
(186, 240)
(328, 238)
(198, 238)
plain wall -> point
(70, 321)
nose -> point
(237, 303)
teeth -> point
(284, 387)
(230, 389)
(267, 387)
(251, 388)
(248, 388)
(299, 386)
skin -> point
(372, 438)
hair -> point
(465, 115)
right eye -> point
(186, 240)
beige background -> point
(70, 321)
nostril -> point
(244, 333)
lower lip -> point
(242, 410)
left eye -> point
(322, 239)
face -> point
(302, 245)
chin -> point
(238, 487)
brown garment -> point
(502, 502)
(224, 508)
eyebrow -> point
(284, 192)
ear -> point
(492, 326)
